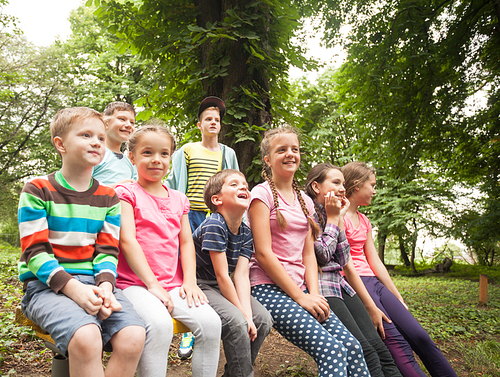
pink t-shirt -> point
(357, 238)
(287, 244)
(157, 225)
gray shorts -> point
(60, 316)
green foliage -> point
(10, 296)
(239, 51)
(483, 357)
(454, 309)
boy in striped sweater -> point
(69, 226)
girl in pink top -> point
(283, 270)
(155, 240)
(404, 334)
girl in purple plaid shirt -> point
(325, 185)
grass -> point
(447, 307)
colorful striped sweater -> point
(66, 232)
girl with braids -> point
(404, 334)
(325, 185)
(283, 270)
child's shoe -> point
(186, 349)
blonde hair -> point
(153, 126)
(265, 150)
(318, 174)
(355, 175)
(65, 118)
(214, 186)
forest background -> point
(417, 96)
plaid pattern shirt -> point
(332, 252)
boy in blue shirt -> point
(115, 167)
(224, 245)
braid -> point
(279, 216)
(320, 218)
(312, 223)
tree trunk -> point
(381, 237)
(404, 254)
(412, 256)
(238, 75)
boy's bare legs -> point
(127, 350)
(85, 352)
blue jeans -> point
(196, 218)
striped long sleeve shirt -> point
(65, 232)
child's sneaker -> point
(186, 349)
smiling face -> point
(119, 127)
(366, 191)
(284, 154)
(209, 123)
(83, 144)
(334, 182)
(152, 155)
(234, 193)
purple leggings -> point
(405, 335)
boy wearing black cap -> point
(193, 165)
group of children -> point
(111, 253)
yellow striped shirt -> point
(201, 165)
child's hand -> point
(333, 205)
(88, 297)
(163, 296)
(316, 305)
(193, 293)
(252, 330)
(378, 316)
(109, 302)
(344, 207)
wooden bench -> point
(60, 364)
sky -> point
(42, 20)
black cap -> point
(212, 102)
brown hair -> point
(355, 175)
(117, 106)
(214, 186)
(318, 174)
(153, 126)
(65, 118)
(265, 150)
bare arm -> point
(379, 269)
(189, 286)
(136, 259)
(376, 315)
(321, 307)
(242, 286)
(258, 214)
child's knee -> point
(129, 340)
(86, 343)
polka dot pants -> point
(336, 352)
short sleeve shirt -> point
(114, 167)
(357, 238)
(157, 225)
(214, 235)
(288, 244)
